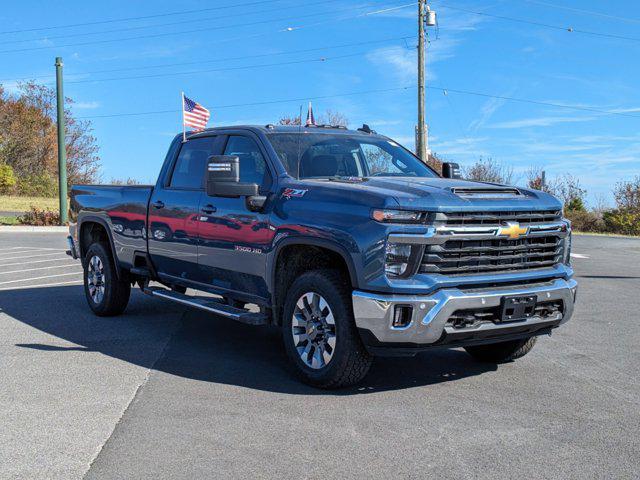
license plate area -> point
(517, 308)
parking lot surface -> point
(167, 392)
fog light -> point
(397, 259)
(402, 316)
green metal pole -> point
(62, 151)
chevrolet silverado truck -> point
(343, 238)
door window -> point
(189, 169)
(253, 167)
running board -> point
(209, 305)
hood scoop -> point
(486, 192)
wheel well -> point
(92, 232)
(294, 260)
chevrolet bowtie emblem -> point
(513, 230)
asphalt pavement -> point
(166, 392)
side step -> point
(210, 305)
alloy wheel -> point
(314, 330)
(96, 279)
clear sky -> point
(275, 54)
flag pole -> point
(184, 129)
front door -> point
(174, 213)
(233, 239)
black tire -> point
(503, 351)
(350, 361)
(115, 296)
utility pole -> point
(62, 150)
(426, 17)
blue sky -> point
(467, 52)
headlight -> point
(397, 259)
(396, 216)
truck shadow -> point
(186, 343)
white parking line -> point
(34, 256)
(41, 278)
(74, 282)
(26, 249)
(579, 255)
(39, 268)
(68, 260)
(37, 248)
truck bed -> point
(122, 209)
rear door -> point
(174, 212)
(234, 240)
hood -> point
(444, 194)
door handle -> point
(159, 204)
(208, 209)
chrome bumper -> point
(374, 312)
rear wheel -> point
(319, 331)
(503, 351)
(106, 294)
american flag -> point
(193, 114)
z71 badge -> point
(289, 193)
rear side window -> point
(190, 165)
(253, 167)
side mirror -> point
(451, 170)
(223, 178)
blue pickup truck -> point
(343, 238)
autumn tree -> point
(489, 170)
(28, 139)
(329, 117)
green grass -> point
(8, 220)
(22, 204)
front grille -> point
(497, 218)
(468, 256)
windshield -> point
(323, 155)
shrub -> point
(623, 221)
(38, 185)
(40, 218)
(585, 221)
(7, 179)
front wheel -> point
(106, 294)
(319, 331)
(503, 351)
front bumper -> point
(430, 313)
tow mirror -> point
(223, 178)
(451, 170)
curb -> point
(32, 229)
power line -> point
(192, 31)
(384, 90)
(181, 22)
(223, 69)
(584, 12)
(534, 102)
(253, 104)
(144, 17)
(217, 60)
(546, 25)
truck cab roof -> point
(273, 128)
